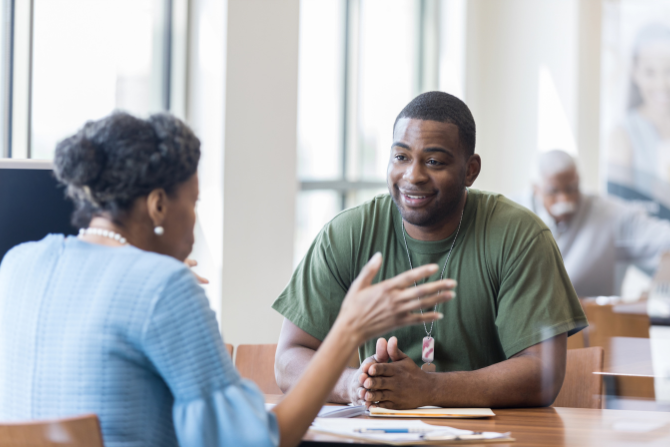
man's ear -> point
(157, 205)
(472, 169)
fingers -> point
(424, 303)
(362, 378)
(382, 356)
(366, 364)
(377, 396)
(394, 351)
(190, 263)
(444, 286)
(409, 277)
(360, 396)
(200, 279)
(368, 272)
(381, 369)
(412, 319)
(378, 383)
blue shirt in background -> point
(125, 334)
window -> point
(78, 60)
(361, 62)
(5, 74)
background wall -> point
(532, 82)
(259, 168)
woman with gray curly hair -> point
(113, 323)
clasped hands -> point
(400, 384)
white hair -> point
(551, 163)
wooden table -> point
(550, 427)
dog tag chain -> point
(428, 345)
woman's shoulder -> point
(51, 243)
(143, 269)
(130, 263)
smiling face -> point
(428, 171)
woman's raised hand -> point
(371, 310)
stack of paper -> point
(418, 432)
(433, 412)
(335, 411)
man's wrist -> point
(343, 393)
(432, 388)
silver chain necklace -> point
(428, 348)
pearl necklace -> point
(104, 233)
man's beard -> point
(439, 212)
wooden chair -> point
(257, 363)
(581, 388)
(81, 431)
(605, 323)
(577, 341)
(230, 350)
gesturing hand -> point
(190, 263)
(369, 310)
(398, 385)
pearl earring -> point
(159, 230)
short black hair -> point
(444, 108)
(111, 162)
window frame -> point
(426, 78)
(170, 66)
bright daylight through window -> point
(90, 58)
(348, 100)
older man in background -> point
(594, 234)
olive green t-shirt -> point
(512, 293)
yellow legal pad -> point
(433, 412)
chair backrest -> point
(576, 341)
(81, 431)
(581, 387)
(257, 363)
(230, 350)
(605, 323)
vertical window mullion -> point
(350, 171)
(162, 54)
(7, 15)
(179, 44)
(21, 78)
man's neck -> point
(441, 230)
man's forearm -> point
(517, 382)
(294, 362)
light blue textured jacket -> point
(125, 334)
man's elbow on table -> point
(294, 351)
(545, 366)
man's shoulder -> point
(500, 212)
(610, 205)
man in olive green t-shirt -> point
(502, 341)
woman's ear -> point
(157, 205)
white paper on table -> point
(349, 427)
(432, 412)
(334, 411)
